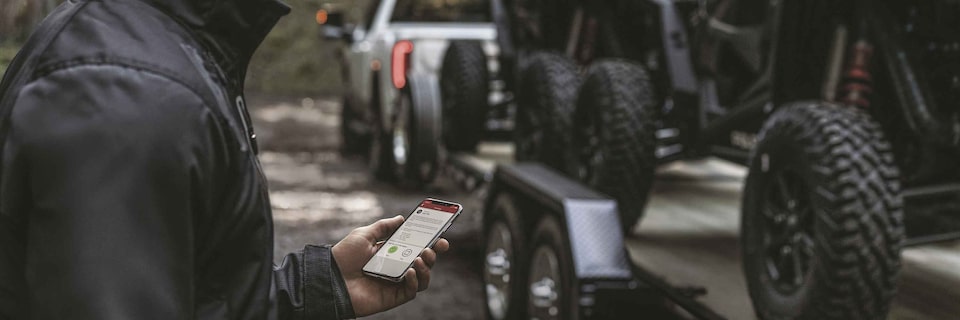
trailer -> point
(554, 248)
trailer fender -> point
(590, 222)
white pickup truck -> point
(391, 61)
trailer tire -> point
(465, 85)
(551, 280)
(505, 290)
(355, 138)
(614, 135)
(822, 224)
(546, 101)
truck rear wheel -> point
(505, 261)
(465, 85)
(354, 135)
(415, 133)
(380, 162)
(380, 159)
(822, 221)
(546, 101)
(550, 293)
(614, 135)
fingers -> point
(423, 274)
(411, 284)
(380, 229)
(441, 246)
(429, 257)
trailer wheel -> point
(505, 261)
(546, 101)
(465, 85)
(614, 135)
(550, 293)
(355, 137)
(822, 221)
(414, 137)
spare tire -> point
(465, 85)
(546, 99)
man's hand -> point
(370, 295)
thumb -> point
(382, 228)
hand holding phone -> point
(419, 231)
(370, 295)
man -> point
(130, 187)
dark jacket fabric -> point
(129, 184)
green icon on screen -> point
(392, 249)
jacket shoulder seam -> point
(141, 66)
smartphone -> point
(419, 231)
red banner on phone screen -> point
(449, 208)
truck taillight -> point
(322, 16)
(399, 60)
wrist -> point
(342, 299)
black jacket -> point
(129, 185)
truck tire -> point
(415, 134)
(505, 261)
(822, 224)
(465, 85)
(546, 101)
(380, 160)
(614, 135)
(550, 293)
(355, 139)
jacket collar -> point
(231, 29)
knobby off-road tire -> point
(546, 101)
(614, 135)
(464, 87)
(822, 222)
(506, 261)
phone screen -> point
(417, 232)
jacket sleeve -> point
(110, 167)
(308, 285)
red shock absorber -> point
(857, 84)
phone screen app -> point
(414, 235)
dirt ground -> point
(319, 196)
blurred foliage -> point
(293, 59)
(7, 52)
(18, 17)
(17, 20)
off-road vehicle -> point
(845, 113)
